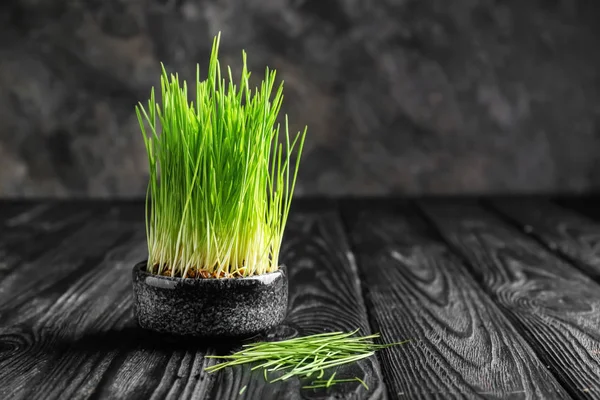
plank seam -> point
(514, 223)
(521, 330)
(362, 291)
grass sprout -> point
(305, 357)
(220, 180)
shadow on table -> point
(23, 338)
(130, 345)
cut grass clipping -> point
(221, 183)
(305, 357)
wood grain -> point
(66, 327)
(27, 229)
(66, 317)
(416, 288)
(554, 306)
(569, 233)
(325, 295)
(67, 323)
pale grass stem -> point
(305, 356)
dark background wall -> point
(400, 96)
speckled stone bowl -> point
(234, 307)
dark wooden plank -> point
(586, 205)
(65, 315)
(571, 234)
(552, 304)
(10, 209)
(67, 324)
(325, 295)
(28, 229)
(66, 327)
(416, 288)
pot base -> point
(230, 307)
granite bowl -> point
(231, 307)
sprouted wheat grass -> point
(221, 183)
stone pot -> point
(230, 307)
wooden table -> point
(500, 298)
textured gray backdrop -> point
(400, 96)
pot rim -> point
(261, 277)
